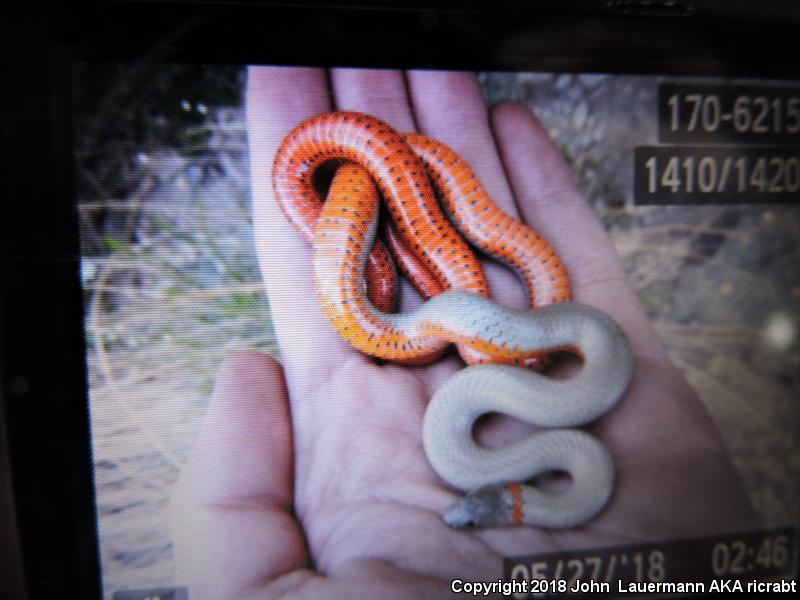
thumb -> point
(231, 518)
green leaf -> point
(116, 245)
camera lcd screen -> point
(242, 434)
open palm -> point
(310, 478)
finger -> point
(449, 106)
(548, 197)
(231, 508)
(380, 93)
(278, 99)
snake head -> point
(485, 507)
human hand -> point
(310, 478)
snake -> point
(438, 209)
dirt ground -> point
(172, 289)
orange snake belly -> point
(410, 172)
(355, 286)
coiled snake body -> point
(356, 286)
